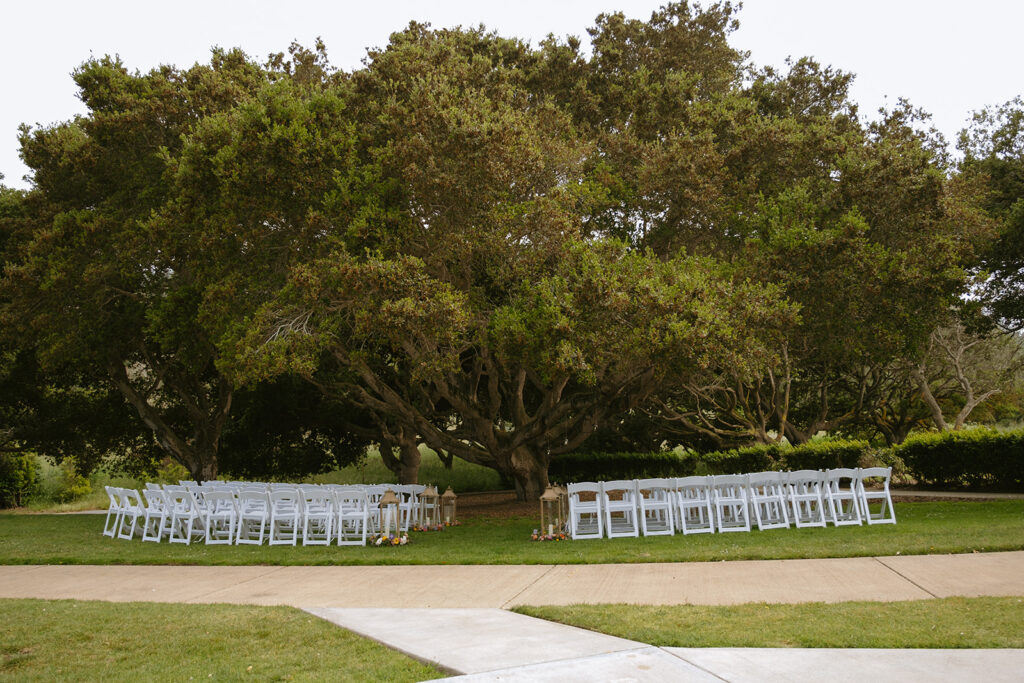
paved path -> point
(893, 578)
(453, 616)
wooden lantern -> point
(430, 508)
(448, 506)
(550, 512)
(389, 514)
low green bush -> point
(610, 466)
(969, 458)
(816, 455)
(19, 479)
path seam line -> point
(693, 664)
(904, 577)
(528, 586)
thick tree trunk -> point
(409, 464)
(530, 473)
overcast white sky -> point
(949, 58)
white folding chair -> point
(131, 510)
(353, 515)
(768, 500)
(285, 515)
(183, 514)
(113, 512)
(618, 499)
(655, 500)
(731, 502)
(585, 514)
(317, 516)
(253, 516)
(805, 498)
(886, 513)
(841, 497)
(694, 510)
(221, 516)
(374, 492)
(157, 518)
(409, 496)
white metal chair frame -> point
(731, 502)
(620, 513)
(695, 513)
(585, 515)
(887, 514)
(767, 493)
(806, 498)
(253, 516)
(655, 500)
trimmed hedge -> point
(970, 458)
(609, 466)
(979, 458)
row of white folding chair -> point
(772, 500)
(728, 502)
(316, 515)
(620, 508)
(408, 495)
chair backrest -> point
(351, 498)
(692, 482)
(130, 498)
(804, 477)
(155, 499)
(624, 488)
(655, 484)
(883, 473)
(253, 500)
(583, 487)
(285, 499)
(721, 481)
(840, 473)
(220, 501)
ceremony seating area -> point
(219, 512)
(728, 503)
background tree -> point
(114, 280)
(993, 149)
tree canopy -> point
(495, 248)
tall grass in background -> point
(60, 490)
(463, 476)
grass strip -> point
(923, 528)
(69, 640)
(937, 623)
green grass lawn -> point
(70, 640)
(945, 623)
(923, 528)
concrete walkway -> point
(893, 578)
(453, 616)
(496, 645)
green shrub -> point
(19, 479)
(824, 455)
(968, 458)
(742, 460)
(610, 466)
(72, 485)
(607, 466)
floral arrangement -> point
(557, 536)
(389, 539)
